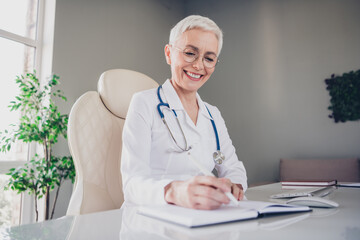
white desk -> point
(338, 223)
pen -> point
(208, 173)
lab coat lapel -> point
(202, 108)
(174, 102)
(171, 96)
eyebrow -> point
(197, 49)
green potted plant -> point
(344, 91)
(42, 123)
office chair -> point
(343, 170)
(95, 140)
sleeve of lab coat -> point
(140, 186)
(232, 168)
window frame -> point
(43, 44)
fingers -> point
(223, 184)
(202, 192)
(198, 192)
(205, 203)
(237, 191)
(208, 192)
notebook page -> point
(194, 218)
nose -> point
(198, 64)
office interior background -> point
(269, 84)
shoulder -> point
(146, 94)
(145, 98)
(144, 102)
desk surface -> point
(338, 223)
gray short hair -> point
(196, 21)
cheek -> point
(211, 71)
(177, 69)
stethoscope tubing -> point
(162, 104)
(215, 130)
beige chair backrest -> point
(343, 170)
(95, 139)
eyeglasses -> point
(191, 55)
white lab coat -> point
(150, 158)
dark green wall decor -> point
(345, 96)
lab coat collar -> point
(174, 101)
(202, 108)
(171, 96)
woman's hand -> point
(202, 192)
(237, 191)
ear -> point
(167, 54)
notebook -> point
(226, 213)
(135, 226)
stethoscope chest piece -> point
(218, 157)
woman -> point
(156, 166)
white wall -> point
(269, 84)
(92, 36)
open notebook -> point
(226, 213)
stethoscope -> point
(218, 156)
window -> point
(26, 36)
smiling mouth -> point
(193, 76)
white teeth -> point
(193, 75)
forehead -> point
(204, 41)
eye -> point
(210, 59)
(190, 54)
